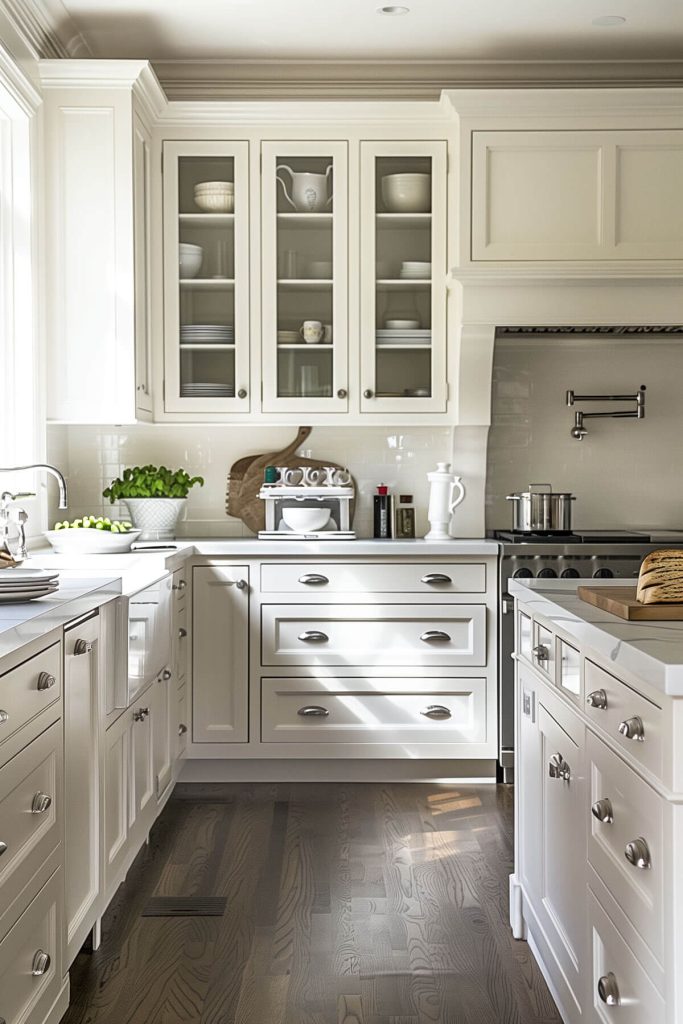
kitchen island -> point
(597, 887)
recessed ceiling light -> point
(393, 10)
(608, 20)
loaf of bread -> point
(660, 580)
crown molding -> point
(396, 80)
(578, 101)
(46, 28)
(591, 273)
(326, 112)
(24, 97)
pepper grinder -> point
(442, 486)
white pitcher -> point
(443, 485)
(310, 192)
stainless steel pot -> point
(542, 508)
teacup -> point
(289, 477)
(311, 475)
(342, 478)
(312, 331)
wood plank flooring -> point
(346, 904)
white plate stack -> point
(27, 584)
(195, 389)
(207, 334)
(415, 270)
(404, 336)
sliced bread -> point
(660, 580)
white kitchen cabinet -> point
(577, 195)
(97, 202)
(305, 275)
(220, 646)
(206, 304)
(403, 371)
(82, 782)
(164, 729)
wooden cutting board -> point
(621, 601)
(233, 497)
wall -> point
(92, 456)
(625, 473)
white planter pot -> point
(156, 517)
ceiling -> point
(304, 30)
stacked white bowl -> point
(407, 193)
(190, 259)
(215, 196)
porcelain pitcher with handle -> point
(446, 491)
(310, 192)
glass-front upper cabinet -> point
(305, 276)
(206, 276)
(403, 276)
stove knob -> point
(547, 574)
(603, 574)
(520, 574)
(569, 574)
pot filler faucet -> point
(579, 431)
(22, 517)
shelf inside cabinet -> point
(402, 348)
(303, 347)
(307, 219)
(404, 220)
(395, 284)
(306, 284)
(208, 283)
(206, 348)
(207, 219)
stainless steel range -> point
(581, 554)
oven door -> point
(149, 635)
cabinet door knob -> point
(182, 729)
(608, 990)
(313, 711)
(637, 852)
(436, 577)
(432, 635)
(242, 393)
(597, 699)
(4, 717)
(182, 633)
(41, 963)
(368, 393)
(558, 768)
(140, 715)
(633, 728)
(46, 681)
(41, 802)
(3, 848)
(540, 652)
(166, 675)
(602, 810)
(313, 579)
(342, 393)
(313, 636)
(241, 584)
(436, 711)
(82, 647)
(180, 585)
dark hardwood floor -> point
(346, 904)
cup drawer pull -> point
(597, 699)
(602, 810)
(437, 711)
(558, 768)
(182, 729)
(436, 577)
(41, 963)
(313, 579)
(82, 647)
(313, 711)
(46, 681)
(435, 635)
(541, 652)
(608, 990)
(182, 633)
(41, 803)
(637, 852)
(313, 636)
(633, 728)
(4, 717)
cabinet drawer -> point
(28, 689)
(350, 578)
(623, 705)
(349, 710)
(28, 830)
(638, 999)
(637, 814)
(378, 634)
(543, 651)
(25, 995)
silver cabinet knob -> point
(633, 728)
(4, 717)
(435, 635)
(3, 848)
(436, 577)
(313, 711)
(437, 711)
(637, 852)
(558, 768)
(41, 963)
(540, 652)
(82, 647)
(182, 729)
(166, 675)
(241, 584)
(242, 393)
(342, 393)
(180, 585)
(597, 699)
(313, 636)
(46, 681)
(182, 633)
(608, 990)
(41, 802)
(602, 810)
(313, 579)
(368, 393)
(140, 715)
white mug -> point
(289, 477)
(312, 331)
(327, 333)
(342, 478)
(311, 475)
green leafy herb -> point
(151, 482)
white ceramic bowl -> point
(190, 260)
(407, 193)
(90, 542)
(402, 325)
(214, 186)
(305, 520)
(215, 202)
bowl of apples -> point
(92, 535)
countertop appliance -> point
(581, 554)
(337, 499)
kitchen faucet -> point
(22, 515)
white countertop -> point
(651, 651)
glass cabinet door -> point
(403, 277)
(305, 293)
(206, 260)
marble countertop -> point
(651, 651)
